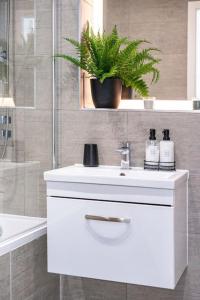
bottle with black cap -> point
(166, 150)
(152, 149)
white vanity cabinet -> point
(125, 233)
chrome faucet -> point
(125, 152)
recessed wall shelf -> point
(157, 105)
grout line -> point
(10, 259)
(61, 288)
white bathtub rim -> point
(21, 217)
(23, 238)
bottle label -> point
(152, 153)
(166, 153)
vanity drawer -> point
(137, 246)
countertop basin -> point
(114, 175)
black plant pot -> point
(106, 94)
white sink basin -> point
(116, 176)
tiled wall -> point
(23, 274)
(108, 129)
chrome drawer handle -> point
(107, 219)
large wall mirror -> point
(26, 52)
(171, 26)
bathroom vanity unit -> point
(120, 225)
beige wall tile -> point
(14, 198)
(75, 288)
(182, 127)
(78, 128)
(69, 4)
(68, 86)
(31, 194)
(5, 277)
(68, 24)
(194, 204)
(30, 279)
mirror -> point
(169, 26)
(164, 24)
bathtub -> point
(16, 231)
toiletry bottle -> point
(166, 150)
(152, 149)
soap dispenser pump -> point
(166, 150)
(152, 149)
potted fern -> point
(112, 61)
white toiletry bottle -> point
(152, 149)
(166, 150)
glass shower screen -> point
(198, 54)
(4, 48)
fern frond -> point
(73, 60)
(111, 73)
(109, 55)
(140, 86)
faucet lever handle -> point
(120, 150)
(124, 148)
(126, 144)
